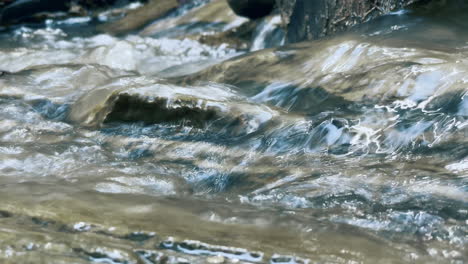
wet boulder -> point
(213, 24)
(138, 18)
(252, 8)
(213, 17)
(309, 20)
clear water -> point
(351, 149)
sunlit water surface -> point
(148, 149)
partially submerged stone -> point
(213, 17)
(153, 103)
(140, 17)
(215, 24)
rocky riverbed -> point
(198, 136)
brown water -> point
(149, 149)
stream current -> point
(151, 149)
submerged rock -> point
(193, 247)
(208, 19)
(149, 102)
(252, 8)
(238, 38)
(329, 73)
(215, 24)
(135, 19)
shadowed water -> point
(150, 149)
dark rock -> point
(5, 2)
(22, 9)
(95, 3)
(12, 11)
(308, 20)
(184, 2)
(252, 8)
(5, 214)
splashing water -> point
(141, 149)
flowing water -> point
(150, 149)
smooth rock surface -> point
(215, 16)
(141, 16)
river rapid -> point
(153, 147)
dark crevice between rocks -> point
(253, 9)
(129, 108)
(52, 225)
(5, 214)
(41, 222)
(199, 248)
(99, 257)
(138, 237)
